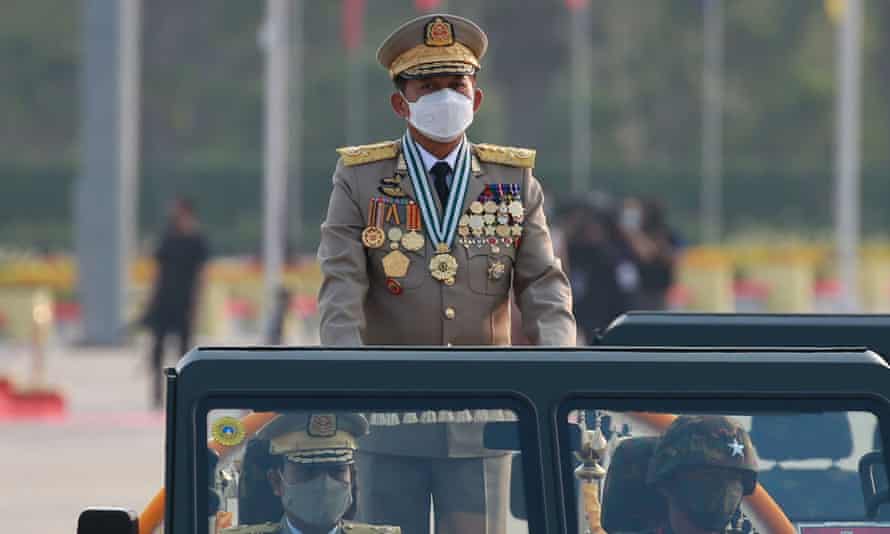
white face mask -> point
(442, 116)
(320, 502)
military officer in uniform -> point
(315, 478)
(426, 235)
(703, 465)
(424, 239)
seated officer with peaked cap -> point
(316, 479)
(424, 239)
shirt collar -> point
(429, 160)
(294, 530)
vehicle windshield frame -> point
(721, 403)
(325, 402)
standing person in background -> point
(596, 264)
(180, 260)
(653, 246)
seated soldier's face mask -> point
(442, 116)
(320, 501)
(708, 502)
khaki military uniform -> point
(359, 307)
(346, 527)
(385, 285)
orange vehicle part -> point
(153, 514)
(760, 502)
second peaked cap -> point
(433, 45)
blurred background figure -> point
(603, 276)
(180, 258)
(653, 246)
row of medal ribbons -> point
(494, 219)
(440, 416)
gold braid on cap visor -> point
(421, 55)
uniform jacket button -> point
(449, 313)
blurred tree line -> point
(202, 108)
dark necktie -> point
(440, 172)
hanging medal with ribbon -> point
(372, 235)
(441, 228)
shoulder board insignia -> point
(350, 527)
(361, 154)
(506, 155)
(265, 528)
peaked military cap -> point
(310, 438)
(433, 45)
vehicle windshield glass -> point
(335, 470)
(684, 472)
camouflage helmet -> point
(705, 441)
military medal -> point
(413, 240)
(442, 227)
(443, 267)
(392, 187)
(372, 235)
(393, 286)
(392, 214)
(516, 210)
(496, 270)
(490, 207)
(395, 264)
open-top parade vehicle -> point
(816, 418)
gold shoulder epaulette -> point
(264, 528)
(506, 155)
(351, 527)
(361, 154)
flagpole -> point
(582, 89)
(356, 99)
(276, 141)
(712, 123)
(847, 150)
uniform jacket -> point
(358, 307)
(345, 527)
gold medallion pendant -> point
(443, 267)
(395, 264)
(413, 241)
(373, 237)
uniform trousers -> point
(469, 495)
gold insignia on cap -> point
(322, 425)
(439, 32)
(228, 431)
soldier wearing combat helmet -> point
(315, 478)
(703, 465)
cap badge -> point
(439, 32)
(228, 431)
(737, 448)
(322, 426)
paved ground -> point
(106, 451)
